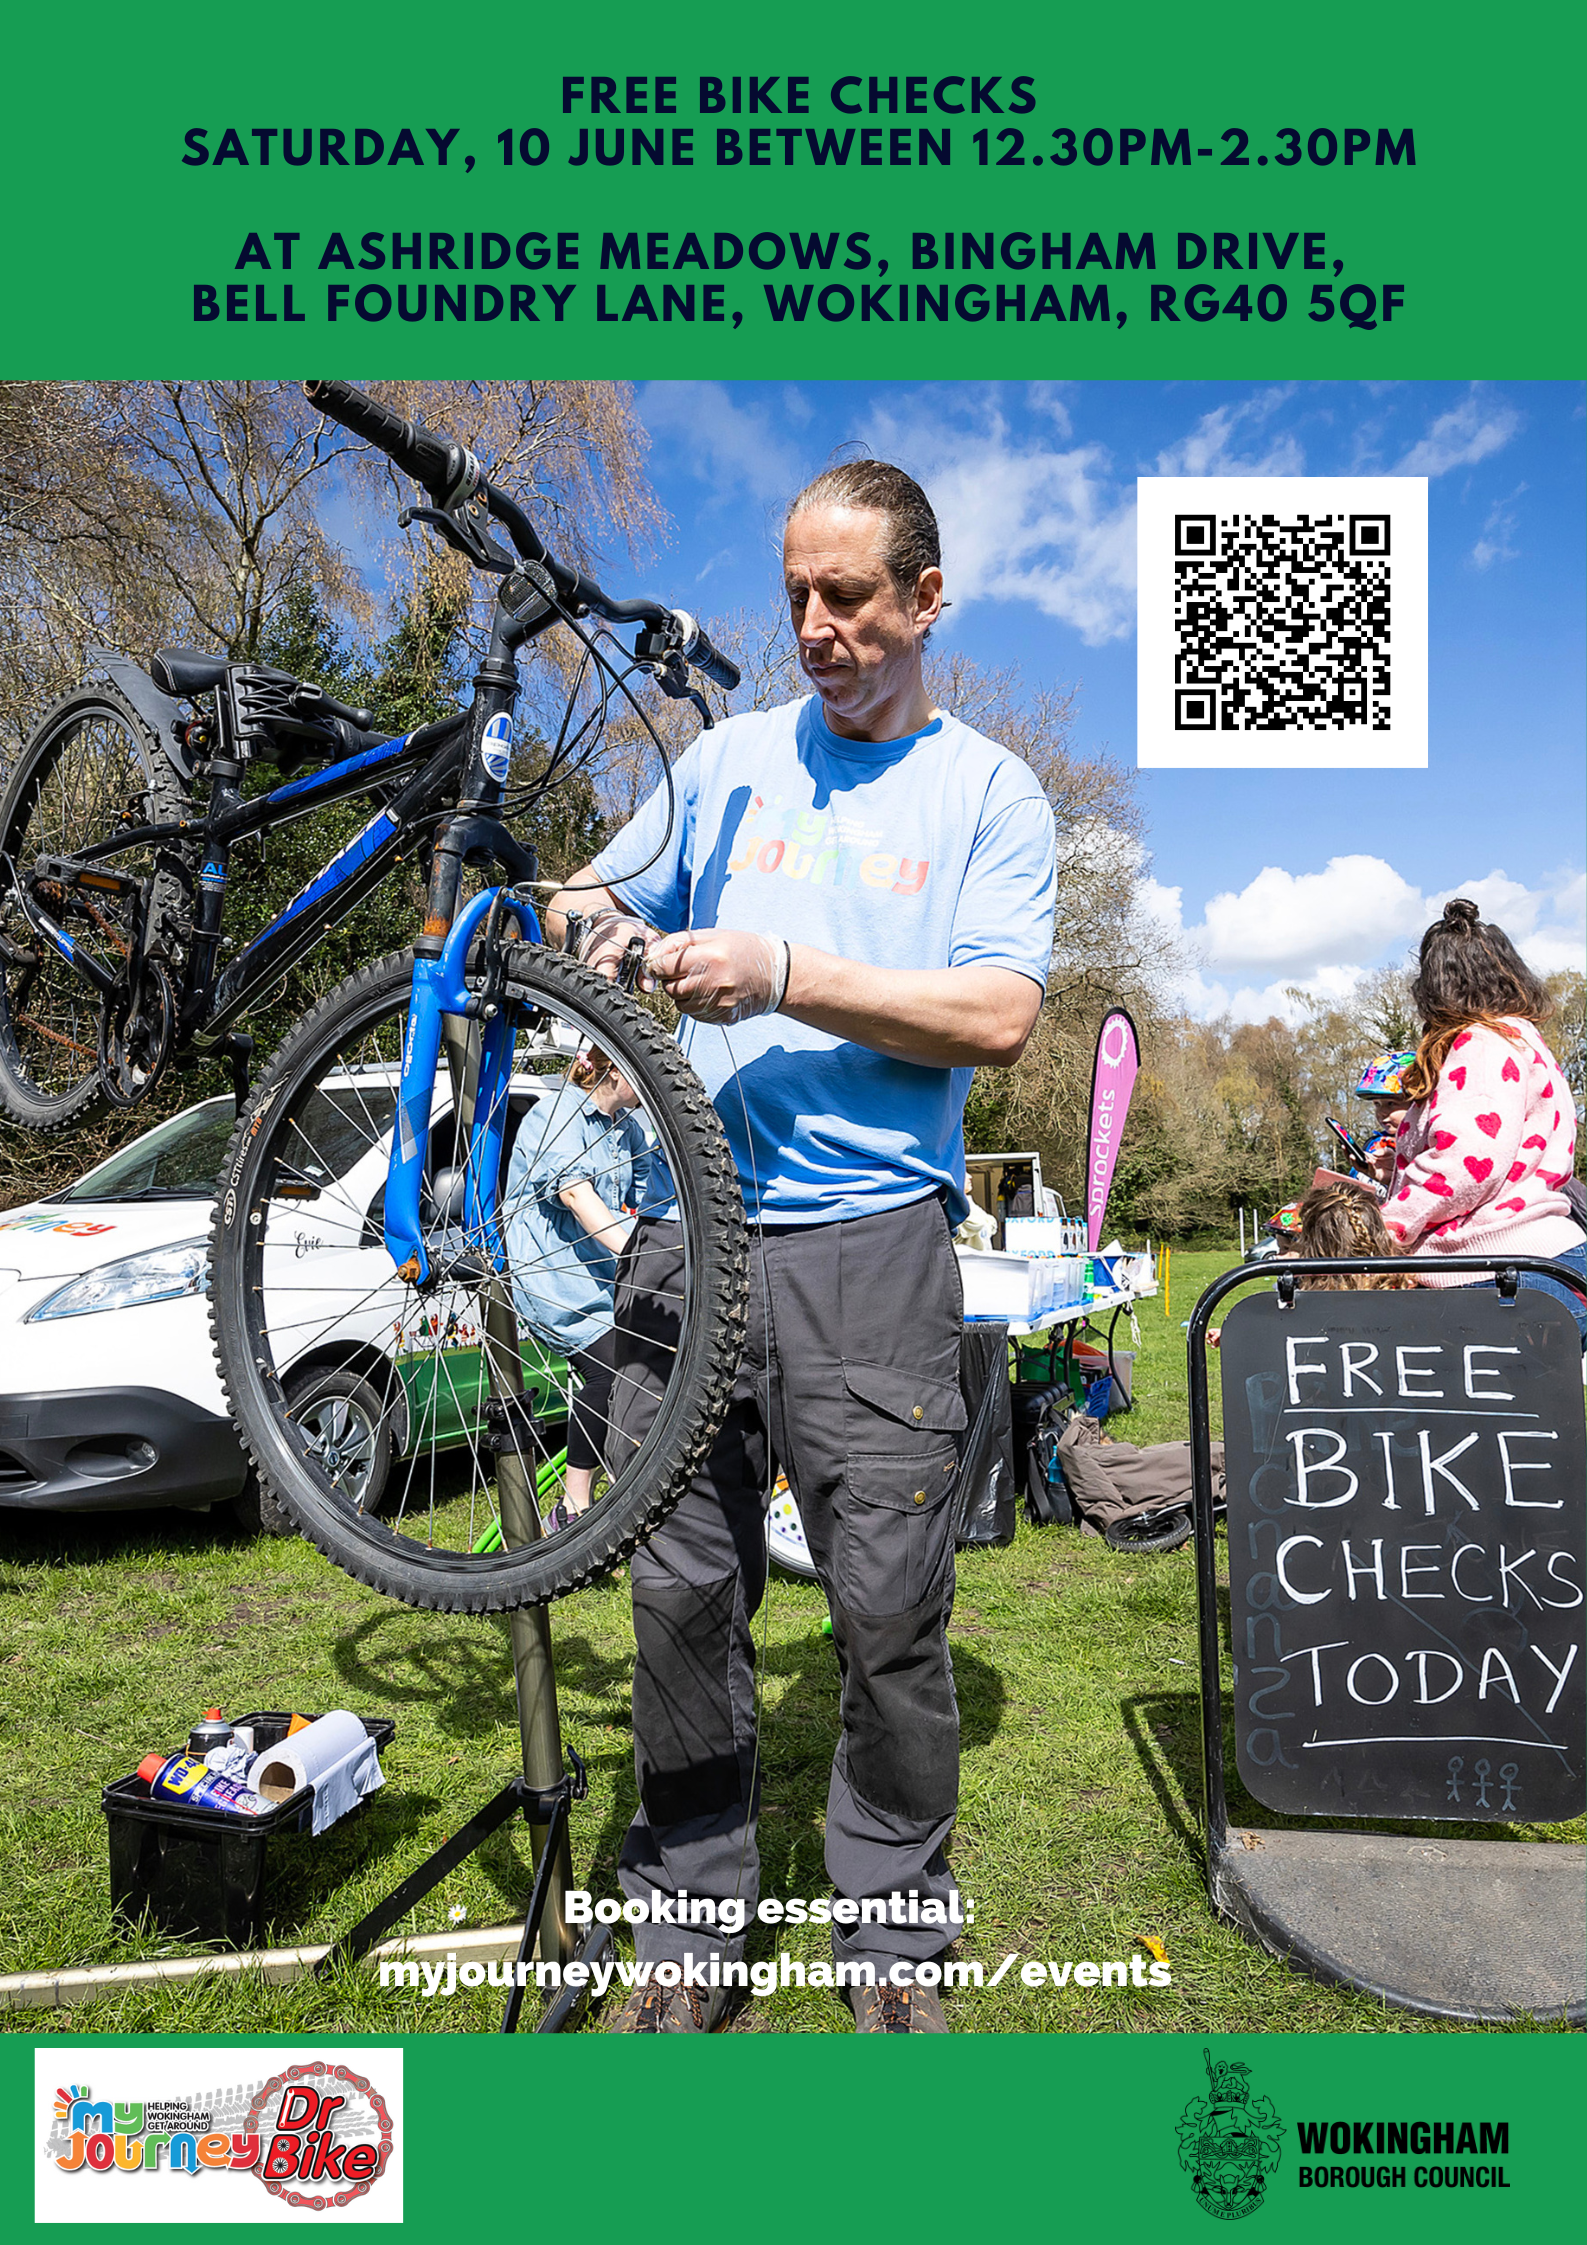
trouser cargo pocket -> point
(895, 1522)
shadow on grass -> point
(1165, 1730)
(398, 1659)
(91, 1539)
(401, 1658)
(306, 1874)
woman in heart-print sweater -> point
(1483, 1156)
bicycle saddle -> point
(178, 670)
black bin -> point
(200, 1872)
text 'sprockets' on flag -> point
(1112, 1080)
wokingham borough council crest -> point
(1229, 2143)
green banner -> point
(1383, 195)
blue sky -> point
(1272, 878)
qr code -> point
(1293, 607)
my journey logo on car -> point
(319, 2135)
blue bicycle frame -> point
(439, 990)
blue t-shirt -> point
(932, 851)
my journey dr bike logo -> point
(316, 2135)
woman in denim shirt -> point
(580, 1171)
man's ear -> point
(928, 599)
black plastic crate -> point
(200, 1872)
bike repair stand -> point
(1478, 1930)
(544, 1793)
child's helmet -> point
(1381, 1077)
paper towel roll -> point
(280, 1771)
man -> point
(863, 888)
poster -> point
(1046, 255)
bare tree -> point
(136, 511)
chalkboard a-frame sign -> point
(1406, 1562)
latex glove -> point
(721, 975)
(605, 943)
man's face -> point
(859, 637)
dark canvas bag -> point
(1040, 1416)
(988, 1492)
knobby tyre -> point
(305, 1296)
(91, 762)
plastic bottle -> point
(214, 1730)
(183, 1777)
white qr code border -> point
(1163, 740)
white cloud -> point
(1291, 923)
(733, 447)
(1501, 526)
(1052, 398)
(1321, 932)
(1468, 432)
(1021, 519)
(1232, 441)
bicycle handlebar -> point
(450, 473)
(708, 660)
(428, 459)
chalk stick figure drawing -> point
(1483, 1769)
(1456, 1765)
(1507, 1777)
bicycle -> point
(387, 1293)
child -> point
(1382, 1085)
(1345, 1219)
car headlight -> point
(158, 1275)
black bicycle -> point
(478, 1198)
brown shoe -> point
(661, 2011)
(886, 2010)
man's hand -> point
(612, 927)
(606, 942)
(721, 975)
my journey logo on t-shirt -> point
(827, 849)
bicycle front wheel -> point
(586, 1300)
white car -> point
(109, 1394)
(109, 1397)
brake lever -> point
(671, 674)
(462, 537)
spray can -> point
(183, 1777)
(214, 1730)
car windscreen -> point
(337, 1125)
(177, 1161)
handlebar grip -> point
(362, 720)
(709, 661)
(426, 458)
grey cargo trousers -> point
(850, 1380)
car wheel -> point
(347, 1431)
(256, 1511)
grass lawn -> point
(1077, 1831)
